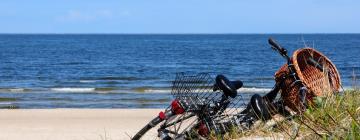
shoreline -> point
(74, 124)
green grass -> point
(335, 117)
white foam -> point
(241, 90)
(94, 90)
(254, 90)
(73, 89)
(16, 89)
(157, 91)
(87, 81)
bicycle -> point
(202, 105)
(196, 98)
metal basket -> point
(197, 90)
(320, 80)
(194, 89)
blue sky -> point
(179, 16)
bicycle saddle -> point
(228, 87)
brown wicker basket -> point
(319, 82)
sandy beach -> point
(74, 124)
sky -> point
(179, 16)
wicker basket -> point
(319, 82)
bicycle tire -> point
(147, 127)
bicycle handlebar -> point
(283, 52)
(278, 48)
(275, 45)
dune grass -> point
(334, 117)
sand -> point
(74, 124)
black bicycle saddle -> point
(228, 87)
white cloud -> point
(85, 16)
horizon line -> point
(161, 33)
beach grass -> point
(333, 117)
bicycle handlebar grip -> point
(275, 45)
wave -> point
(87, 81)
(70, 89)
(253, 90)
(164, 90)
(121, 78)
(152, 90)
(168, 90)
(17, 89)
(14, 90)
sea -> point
(137, 70)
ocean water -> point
(135, 71)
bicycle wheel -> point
(169, 113)
(178, 127)
(147, 127)
(173, 126)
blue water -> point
(135, 71)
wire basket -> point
(198, 91)
(194, 90)
(320, 78)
